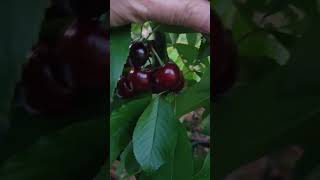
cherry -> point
(74, 70)
(141, 80)
(125, 88)
(168, 77)
(180, 85)
(85, 46)
(224, 52)
(46, 86)
(138, 54)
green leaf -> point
(280, 110)
(136, 30)
(128, 164)
(26, 128)
(225, 9)
(192, 38)
(242, 24)
(198, 161)
(264, 45)
(187, 52)
(204, 173)
(119, 49)
(180, 165)
(155, 135)
(195, 96)
(122, 122)
(174, 29)
(21, 22)
(204, 50)
(171, 37)
(61, 155)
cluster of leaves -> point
(275, 102)
(40, 147)
(146, 135)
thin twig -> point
(157, 56)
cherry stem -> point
(157, 56)
(153, 30)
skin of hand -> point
(194, 14)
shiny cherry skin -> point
(141, 80)
(125, 88)
(85, 46)
(138, 54)
(168, 77)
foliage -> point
(146, 134)
(275, 102)
(39, 146)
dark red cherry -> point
(168, 77)
(141, 80)
(138, 54)
(46, 86)
(125, 88)
(180, 86)
(85, 46)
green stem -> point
(157, 56)
(153, 30)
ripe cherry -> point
(141, 80)
(85, 46)
(125, 88)
(180, 85)
(138, 54)
(168, 77)
(46, 86)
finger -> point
(125, 11)
(199, 16)
(189, 13)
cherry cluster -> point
(143, 77)
(72, 71)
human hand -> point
(194, 14)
